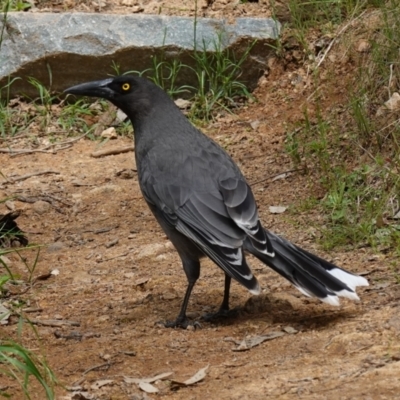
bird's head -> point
(132, 94)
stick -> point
(107, 364)
(110, 152)
(23, 177)
(16, 152)
(273, 176)
(67, 141)
(53, 322)
(333, 41)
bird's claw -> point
(221, 314)
(183, 323)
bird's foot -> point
(183, 323)
(222, 313)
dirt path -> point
(119, 276)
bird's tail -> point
(312, 275)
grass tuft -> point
(353, 150)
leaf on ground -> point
(394, 102)
(43, 277)
(147, 380)
(183, 104)
(101, 383)
(197, 377)
(290, 329)
(148, 387)
(280, 176)
(277, 209)
(251, 342)
(4, 315)
(82, 396)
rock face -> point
(61, 50)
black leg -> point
(192, 271)
(225, 301)
(182, 320)
(223, 311)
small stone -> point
(111, 243)
(137, 9)
(99, 3)
(6, 260)
(363, 46)
(150, 250)
(10, 205)
(289, 329)
(255, 124)
(170, 295)
(128, 3)
(41, 207)
(109, 133)
(394, 102)
(394, 322)
(54, 247)
(277, 209)
(182, 104)
(126, 173)
(121, 116)
(204, 3)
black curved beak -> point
(93, 89)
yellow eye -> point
(126, 86)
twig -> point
(75, 335)
(390, 80)
(107, 364)
(49, 198)
(23, 177)
(109, 152)
(67, 142)
(60, 146)
(32, 310)
(333, 41)
(53, 322)
(16, 152)
(113, 258)
(273, 176)
(102, 230)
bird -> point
(204, 204)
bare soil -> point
(119, 276)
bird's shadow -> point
(278, 311)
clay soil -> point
(119, 276)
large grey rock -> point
(64, 49)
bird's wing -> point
(242, 208)
(191, 202)
(204, 219)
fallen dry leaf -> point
(277, 209)
(197, 377)
(280, 176)
(249, 343)
(147, 380)
(101, 383)
(4, 315)
(82, 396)
(148, 387)
(289, 329)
